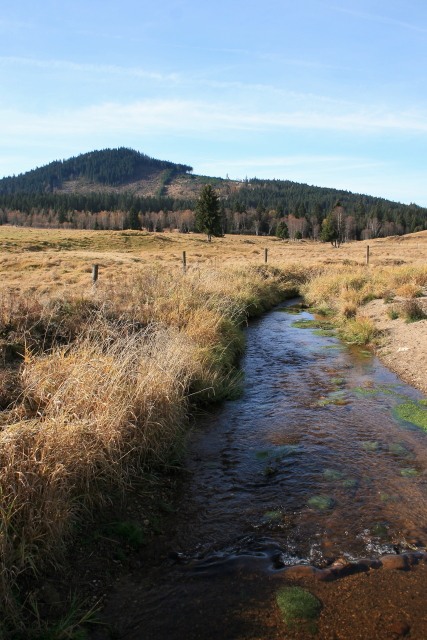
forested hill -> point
(99, 189)
(110, 167)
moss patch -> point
(320, 502)
(273, 515)
(410, 473)
(397, 449)
(413, 413)
(379, 529)
(325, 333)
(298, 605)
(313, 324)
(336, 397)
(332, 474)
(349, 483)
(370, 446)
(368, 391)
(293, 310)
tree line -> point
(253, 207)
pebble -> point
(300, 571)
(395, 562)
(146, 523)
(400, 628)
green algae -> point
(269, 471)
(292, 310)
(262, 455)
(325, 333)
(298, 605)
(335, 397)
(413, 413)
(386, 497)
(367, 479)
(349, 483)
(337, 380)
(272, 515)
(332, 346)
(332, 474)
(369, 391)
(379, 529)
(320, 502)
(370, 446)
(285, 450)
(278, 453)
(398, 449)
(409, 473)
(306, 324)
(313, 324)
(423, 402)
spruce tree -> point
(328, 232)
(208, 218)
(282, 230)
(133, 219)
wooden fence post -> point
(94, 273)
(367, 254)
(184, 262)
(265, 255)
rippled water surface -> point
(311, 464)
(311, 456)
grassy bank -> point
(343, 291)
(97, 387)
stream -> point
(312, 464)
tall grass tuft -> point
(104, 389)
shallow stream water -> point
(310, 465)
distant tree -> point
(282, 230)
(298, 235)
(302, 211)
(208, 219)
(223, 218)
(279, 210)
(133, 219)
(318, 211)
(62, 216)
(260, 210)
(328, 232)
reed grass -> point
(105, 383)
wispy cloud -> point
(384, 19)
(87, 67)
(204, 118)
(174, 79)
(339, 162)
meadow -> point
(98, 381)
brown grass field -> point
(97, 382)
(50, 260)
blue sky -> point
(329, 93)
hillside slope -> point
(106, 170)
(117, 179)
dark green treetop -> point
(134, 222)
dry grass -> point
(109, 372)
(104, 390)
